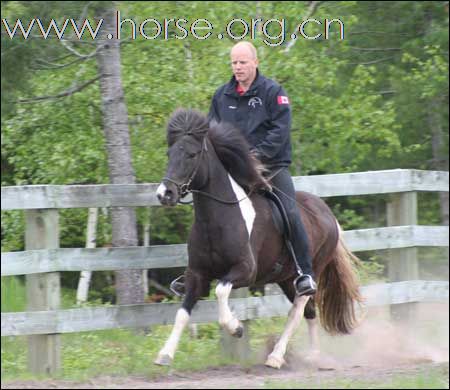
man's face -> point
(243, 65)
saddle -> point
(279, 214)
(281, 221)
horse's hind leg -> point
(193, 292)
(301, 305)
(276, 358)
(313, 329)
(310, 316)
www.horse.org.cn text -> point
(273, 32)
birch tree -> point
(91, 239)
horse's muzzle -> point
(167, 196)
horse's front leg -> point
(167, 353)
(276, 358)
(226, 318)
(241, 275)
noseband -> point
(184, 188)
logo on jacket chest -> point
(255, 101)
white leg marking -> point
(226, 317)
(276, 358)
(167, 353)
(161, 190)
(246, 206)
(313, 330)
(314, 354)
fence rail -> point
(109, 195)
(42, 260)
(170, 256)
(135, 316)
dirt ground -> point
(377, 351)
(240, 378)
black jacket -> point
(262, 114)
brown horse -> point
(234, 238)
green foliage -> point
(170, 225)
(13, 231)
(348, 218)
(371, 270)
(13, 294)
(378, 99)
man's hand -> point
(255, 154)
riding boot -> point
(284, 188)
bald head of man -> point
(244, 62)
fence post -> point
(237, 348)
(403, 263)
(43, 290)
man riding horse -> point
(260, 108)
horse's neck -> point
(220, 185)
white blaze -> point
(246, 206)
(161, 190)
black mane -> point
(186, 122)
(233, 151)
(230, 145)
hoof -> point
(274, 362)
(163, 360)
(238, 332)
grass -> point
(126, 352)
(119, 351)
(435, 378)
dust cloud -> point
(381, 342)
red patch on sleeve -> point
(282, 100)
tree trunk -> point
(440, 157)
(146, 243)
(91, 238)
(129, 287)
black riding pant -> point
(284, 189)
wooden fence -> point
(42, 260)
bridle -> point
(184, 188)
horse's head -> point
(186, 137)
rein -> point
(222, 200)
(208, 195)
(184, 188)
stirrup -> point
(309, 289)
(177, 286)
